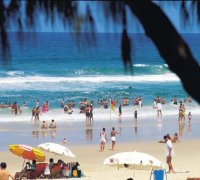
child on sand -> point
(64, 142)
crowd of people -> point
(51, 170)
(86, 105)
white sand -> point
(187, 158)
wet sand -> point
(82, 133)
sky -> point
(171, 9)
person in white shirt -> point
(169, 152)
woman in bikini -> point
(113, 139)
(103, 139)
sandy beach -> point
(91, 160)
(78, 73)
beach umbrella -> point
(27, 152)
(134, 160)
(56, 149)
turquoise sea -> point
(53, 66)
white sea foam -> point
(147, 65)
(168, 77)
(100, 114)
(141, 65)
(15, 73)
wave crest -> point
(168, 77)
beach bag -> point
(74, 173)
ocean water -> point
(53, 66)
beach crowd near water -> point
(86, 106)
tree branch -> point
(169, 43)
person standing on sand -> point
(120, 110)
(103, 139)
(189, 116)
(135, 114)
(33, 114)
(169, 153)
(5, 174)
(112, 135)
(159, 109)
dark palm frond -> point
(13, 7)
(3, 33)
(184, 12)
(126, 51)
(30, 12)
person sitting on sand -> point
(53, 124)
(44, 125)
(51, 163)
(30, 169)
(64, 142)
(175, 139)
(5, 174)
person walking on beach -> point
(91, 112)
(37, 114)
(169, 153)
(135, 114)
(113, 139)
(103, 139)
(120, 110)
(5, 174)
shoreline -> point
(99, 114)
